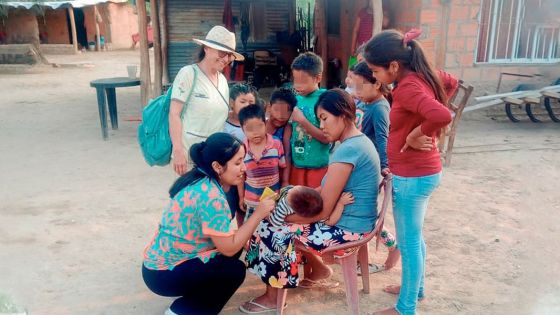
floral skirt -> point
(272, 256)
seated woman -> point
(195, 251)
(354, 168)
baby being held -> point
(304, 201)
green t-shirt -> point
(308, 152)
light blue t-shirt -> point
(360, 216)
(234, 130)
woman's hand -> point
(242, 205)
(265, 207)
(417, 140)
(297, 115)
(180, 161)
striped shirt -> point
(282, 209)
(264, 172)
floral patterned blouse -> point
(196, 213)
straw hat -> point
(221, 39)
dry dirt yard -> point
(77, 211)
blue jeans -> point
(410, 201)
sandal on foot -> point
(373, 268)
(318, 284)
(262, 308)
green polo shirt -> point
(308, 152)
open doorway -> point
(80, 28)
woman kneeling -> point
(195, 252)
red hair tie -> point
(410, 35)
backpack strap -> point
(190, 92)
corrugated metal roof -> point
(55, 4)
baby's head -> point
(305, 201)
(252, 120)
(240, 96)
(282, 103)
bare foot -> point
(389, 311)
(316, 269)
(392, 259)
(396, 289)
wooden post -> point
(73, 28)
(321, 31)
(96, 19)
(163, 37)
(157, 47)
(377, 6)
(145, 77)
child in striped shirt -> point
(264, 160)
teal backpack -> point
(153, 132)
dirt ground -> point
(77, 211)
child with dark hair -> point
(282, 104)
(309, 146)
(240, 96)
(373, 102)
(263, 161)
(306, 202)
(418, 113)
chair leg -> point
(349, 269)
(363, 257)
(281, 301)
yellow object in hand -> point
(266, 193)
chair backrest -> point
(457, 104)
(387, 185)
(461, 97)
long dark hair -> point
(201, 53)
(389, 46)
(337, 103)
(365, 72)
(219, 147)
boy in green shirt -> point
(309, 146)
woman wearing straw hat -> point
(199, 100)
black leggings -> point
(204, 288)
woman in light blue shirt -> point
(353, 167)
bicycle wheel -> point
(528, 109)
(550, 110)
(510, 114)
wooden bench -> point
(106, 94)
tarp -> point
(55, 4)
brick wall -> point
(452, 44)
(55, 24)
(21, 27)
(123, 23)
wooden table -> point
(106, 94)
